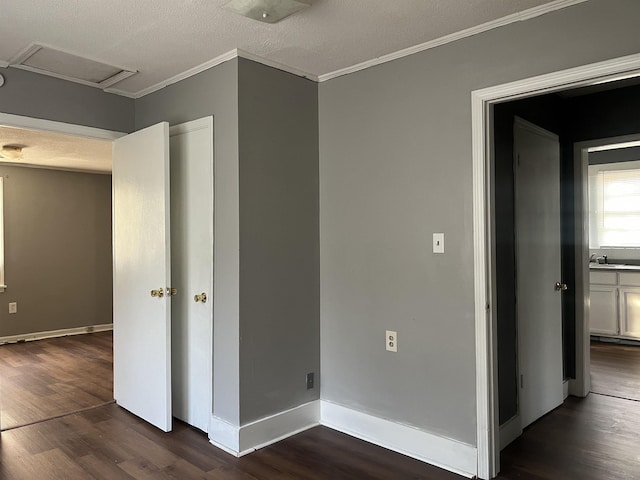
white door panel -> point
(192, 269)
(539, 304)
(141, 261)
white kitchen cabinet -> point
(604, 310)
(630, 312)
(615, 304)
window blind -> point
(614, 198)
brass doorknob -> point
(200, 298)
(171, 291)
(159, 293)
(561, 287)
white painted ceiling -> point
(162, 39)
(58, 151)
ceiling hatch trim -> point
(58, 63)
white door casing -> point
(141, 263)
(539, 303)
(191, 147)
(487, 428)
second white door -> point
(191, 146)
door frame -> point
(487, 425)
(32, 123)
(581, 386)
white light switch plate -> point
(13, 307)
(438, 243)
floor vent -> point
(68, 66)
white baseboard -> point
(27, 337)
(239, 441)
(442, 452)
(509, 431)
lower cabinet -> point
(630, 312)
(615, 304)
(604, 310)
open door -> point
(141, 275)
(538, 283)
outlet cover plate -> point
(391, 341)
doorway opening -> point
(57, 235)
(190, 200)
(575, 250)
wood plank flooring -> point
(615, 370)
(109, 443)
(595, 438)
(56, 376)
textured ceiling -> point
(161, 39)
(54, 150)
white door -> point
(539, 302)
(192, 269)
(141, 266)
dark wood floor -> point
(588, 439)
(47, 378)
(109, 443)
(615, 370)
(594, 438)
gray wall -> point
(59, 280)
(57, 250)
(214, 92)
(38, 96)
(395, 166)
(279, 240)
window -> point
(614, 205)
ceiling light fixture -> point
(13, 152)
(267, 11)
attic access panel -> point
(57, 63)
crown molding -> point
(239, 53)
(278, 65)
(225, 57)
(500, 22)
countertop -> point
(614, 267)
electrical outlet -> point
(309, 380)
(13, 307)
(391, 341)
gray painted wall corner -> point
(279, 240)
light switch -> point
(438, 243)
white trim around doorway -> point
(487, 428)
(30, 123)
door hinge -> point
(521, 381)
